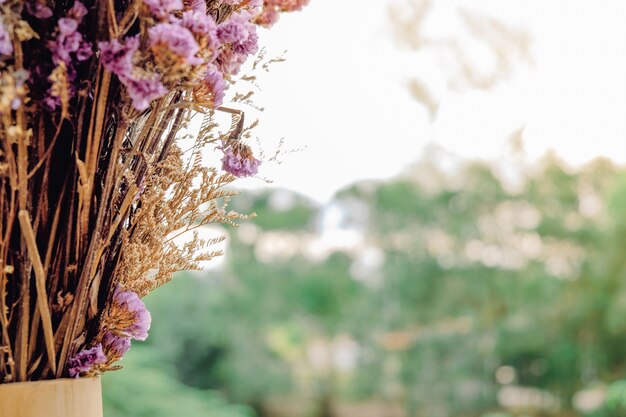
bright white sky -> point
(342, 92)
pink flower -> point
(237, 29)
(196, 5)
(287, 5)
(271, 9)
(229, 62)
(67, 26)
(128, 303)
(239, 161)
(176, 39)
(115, 345)
(6, 46)
(240, 40)
(143, 91)
(39, 10)
(85, 360)
(214, 82)
(268, 17)
(161, 8)
(78, 11)
(69, 41)
(199, 22)
(117, 57)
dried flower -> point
(237, 29)
(268, 17)
(239, 161)
(128, 315)
(166, 38)
(211, 91)
(161, 8)
(116, 346)
(78, 11)
(272, 8)
(117, 57)
(86, 360)
(288, 5)
(72, 137)
(144, 90)
(199, 22)
(12, 90)
(195, 5)
(240, 39)
(39, 10)
(6, 47)
(69, 43)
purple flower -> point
(143, 90)
(229, 61)
(268, 17)
(69, 40)
(239, 161)
(196, 5)
(6, 47)
(39, 10)
(236, 29)
(78, 11)
(67, 26)
(117, 57)
(214, 83)
(249, 46)
(161, 8)
(176, 39)
(240, 38)
(199, 22)
(129, 302)
(85, 360)
(116, 345)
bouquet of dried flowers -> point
(94, 189)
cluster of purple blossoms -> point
(195, 5)
(272, 9)
(176, 39)
(198, 22)
(116, 346)
(69, 43)
(6, 46)
(215, 85)
(38, 10)
(239, 161)
(128, 309)
(239, 40)
(118, 58)
(129, 319)
(189, 38)
(162, 8)
(69, 48)
(85, 360)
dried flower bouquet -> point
(94, 95)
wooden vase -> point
(80, 397)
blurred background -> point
(445, 234)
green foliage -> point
(455, 276)
(142, 389)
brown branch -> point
(40, 284)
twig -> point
(40, 284)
